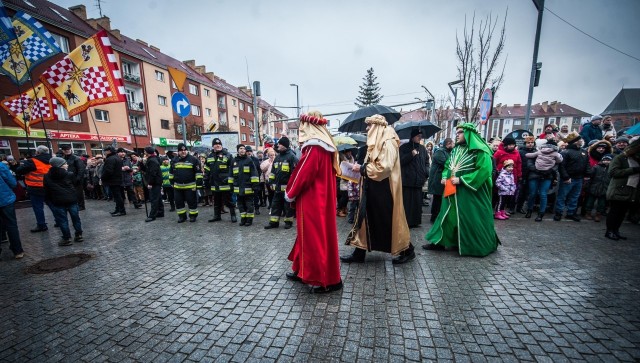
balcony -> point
(139, 132)
(136, 106)
(134, 78)
(222, 105)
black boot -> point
(557, 217)
(528, 215)
(539, 217)
(248, 222)
(182, 218)
(215, 218)
(611, 235)
(243, 220)
(288, 225)
(257, 211)
(192, 219)
(357, 256)
(405, 256)
(272, 225)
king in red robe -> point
(313, 188)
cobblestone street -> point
(162, 291)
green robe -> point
(466, 217)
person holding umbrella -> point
(413, 162)
(380, 224)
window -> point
(162, 100)
(148, 52)
(159, 76)
(244, 137)
(538, 131)
(241, 106)
(173, 84)
(197, 130)
(539, 121)
(60, 15)
(63, 42)
(138, 125)
(235, 119)
(24, 146)
(207, 112)
(179, 128)
(507, 122)
(193, 89)
(221, 103)
(506, 131)
(102, 115)
(517, 122)
(207, 92)
(63, 115)
(195, 110)
(242, 121)
(164, 124)
(78, 148)
(552, 120)
(249, 109)
(233, 101)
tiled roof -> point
(553, 109)
(63, 18)
(627, 101)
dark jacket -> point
(153, 174)
(127, 176)
(217, 170)
(590, 132)
(185, 173)
(76, 167)
(533, 173)
(525, 164)
(575, 163)
(112, 170)
(27, 166)
(58, 187)
(599, 180)
(620, 171)
(245, 175)
(440, 157)
(283, 166)
(413, 168)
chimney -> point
(142, 42)
(201, 69)
(104, 23)
(545, 106)
(554, 106)
(116, 33)
(154, 48)
(190, 63)
(211, 76)
(80, 11)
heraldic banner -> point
(33, 46)
(31, 107)
(86, 77)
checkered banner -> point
(31, 107)
(86, 77)
(33, 46)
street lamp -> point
(297, 98)
(454, 91)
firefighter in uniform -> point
(281, 170)
(167, 188)
(186, 177)
(218, 169)
(245, 181)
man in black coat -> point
(112, 177)
(153, 175)
(76, 167)
(413, 163)
(256, 163)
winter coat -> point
(413, 168)
(265, 168)
(185, 173)
(620, 171)
(590, 132)
(506, 183)
(281, 170)
(502, 155)
(58, 187)
(600, 180)
(7, 184)
(153, 174)
(27, 166)
(76, 167)
(112, 170)
(127, 176)
(218, 171)
(523, 157)
(534, 173)
(594, 155)
(440, 156)
(245, 175)
(546, 158)
(575, 163)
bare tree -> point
(479, 54)
(193, 130)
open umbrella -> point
(633, 130)
(344, 140)
(427, 129)
(360, 138)
(355, 121)
(344, 147)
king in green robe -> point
(465, 221)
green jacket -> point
(620, 171)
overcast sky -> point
(326, 46)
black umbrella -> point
(355, 121)
(360, 138)
(344, 147)
(427, 129)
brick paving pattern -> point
(216, 292)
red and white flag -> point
(31, 107)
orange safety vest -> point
(36, 178)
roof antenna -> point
(99, 6)
(246, 62)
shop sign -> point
(163, 141)
(64, 135)
(18, 132)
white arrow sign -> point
(182, 104)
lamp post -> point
(297, 99)
(534, 64)
(455, 99)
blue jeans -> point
(60, 214)
(539, 187)
(37, 203)
(568, 194)
(9, 224)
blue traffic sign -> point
(180, 104)
(485, 105)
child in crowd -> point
(598, 188)
(547, 157)
(506, 184)
(138, 184)
(61, 195)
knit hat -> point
(572, 137)
(596, 117)
(239, 146)
(216, 141)
(529, 139)
(284, 141)
(121, 150)
(592, 142)
(508, 141)
(248, 148)
(149, 150)
(508, 162)
(607, 157)
(622, 139)
(564, 126)
(65, 147)
(415, 132)
(182, 146)
(57, 162)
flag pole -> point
(96, 126)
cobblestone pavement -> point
(162, 291)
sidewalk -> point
(162, 291)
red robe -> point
(313, 185)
